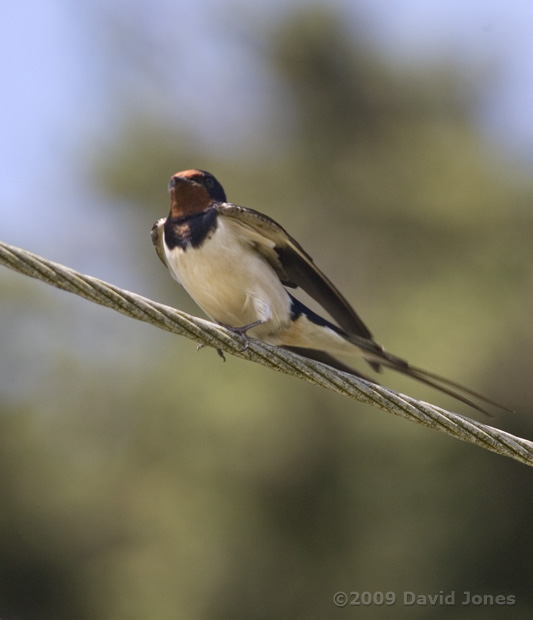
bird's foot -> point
(242, 331)
(219, 351)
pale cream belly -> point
(232, 284)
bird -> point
(241, 268)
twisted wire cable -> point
(210, 334)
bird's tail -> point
(376, 356)
(452, 388)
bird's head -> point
(193, 191)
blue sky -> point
(492, 36)
(56, 75)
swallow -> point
(240, 267)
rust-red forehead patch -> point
(188, 174)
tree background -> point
(140, 478)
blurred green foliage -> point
(165, 484)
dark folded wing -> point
(294, 266)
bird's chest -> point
(226, 277)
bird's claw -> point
(219, 351)
(242, 331)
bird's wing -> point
(158, 238)
(293, 264)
